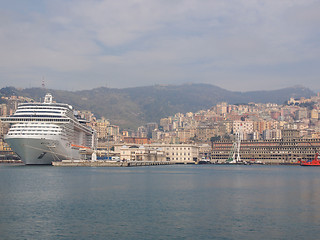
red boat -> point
(314, 162)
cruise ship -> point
(41, 133)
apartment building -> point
(101, 127)
(243, 126)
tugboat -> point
(314, 162)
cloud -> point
(243, 44)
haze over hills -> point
(132, 107)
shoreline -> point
(101, 163)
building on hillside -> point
(275, 115)
(142, 132)
(205, 133)
(225, 128)
(272, 134)
(288, 134)
(136, 140)
(315, 135)
(254, 136)
(314, 114)
(166, 124)
(87, 115)
(185, 135)
(245, 127)
(151, 127)
(222, 108)
(114, 132)
(301, 114)
(3, 110)
(157, 135)
(101, 127)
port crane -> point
(234, 155)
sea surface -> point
(160, 202)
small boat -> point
(314, 162)
(204, 161)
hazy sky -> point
(235, 44)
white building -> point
(141, 153)
(243, 126)
(182, 153)
(179, 153)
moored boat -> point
(314, 162)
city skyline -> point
(236, 45)
(215, 128)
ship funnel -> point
(48, 98)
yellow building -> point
(314, 114)
(185, 135)
(101, 127)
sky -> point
(239, 45)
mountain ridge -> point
(132, 107)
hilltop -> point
(132, 107)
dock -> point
(100, 163)
(11, 161)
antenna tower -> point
(43, 85)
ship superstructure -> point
(44, 132)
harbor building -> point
(289, 150)
(142, 153)
(181, 153)
(176, 153)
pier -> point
(11, 161)
(86, 163)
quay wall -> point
(81, 163)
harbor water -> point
(160, 202)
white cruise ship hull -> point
(41, 151)
(41, 133)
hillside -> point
(132, 107)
